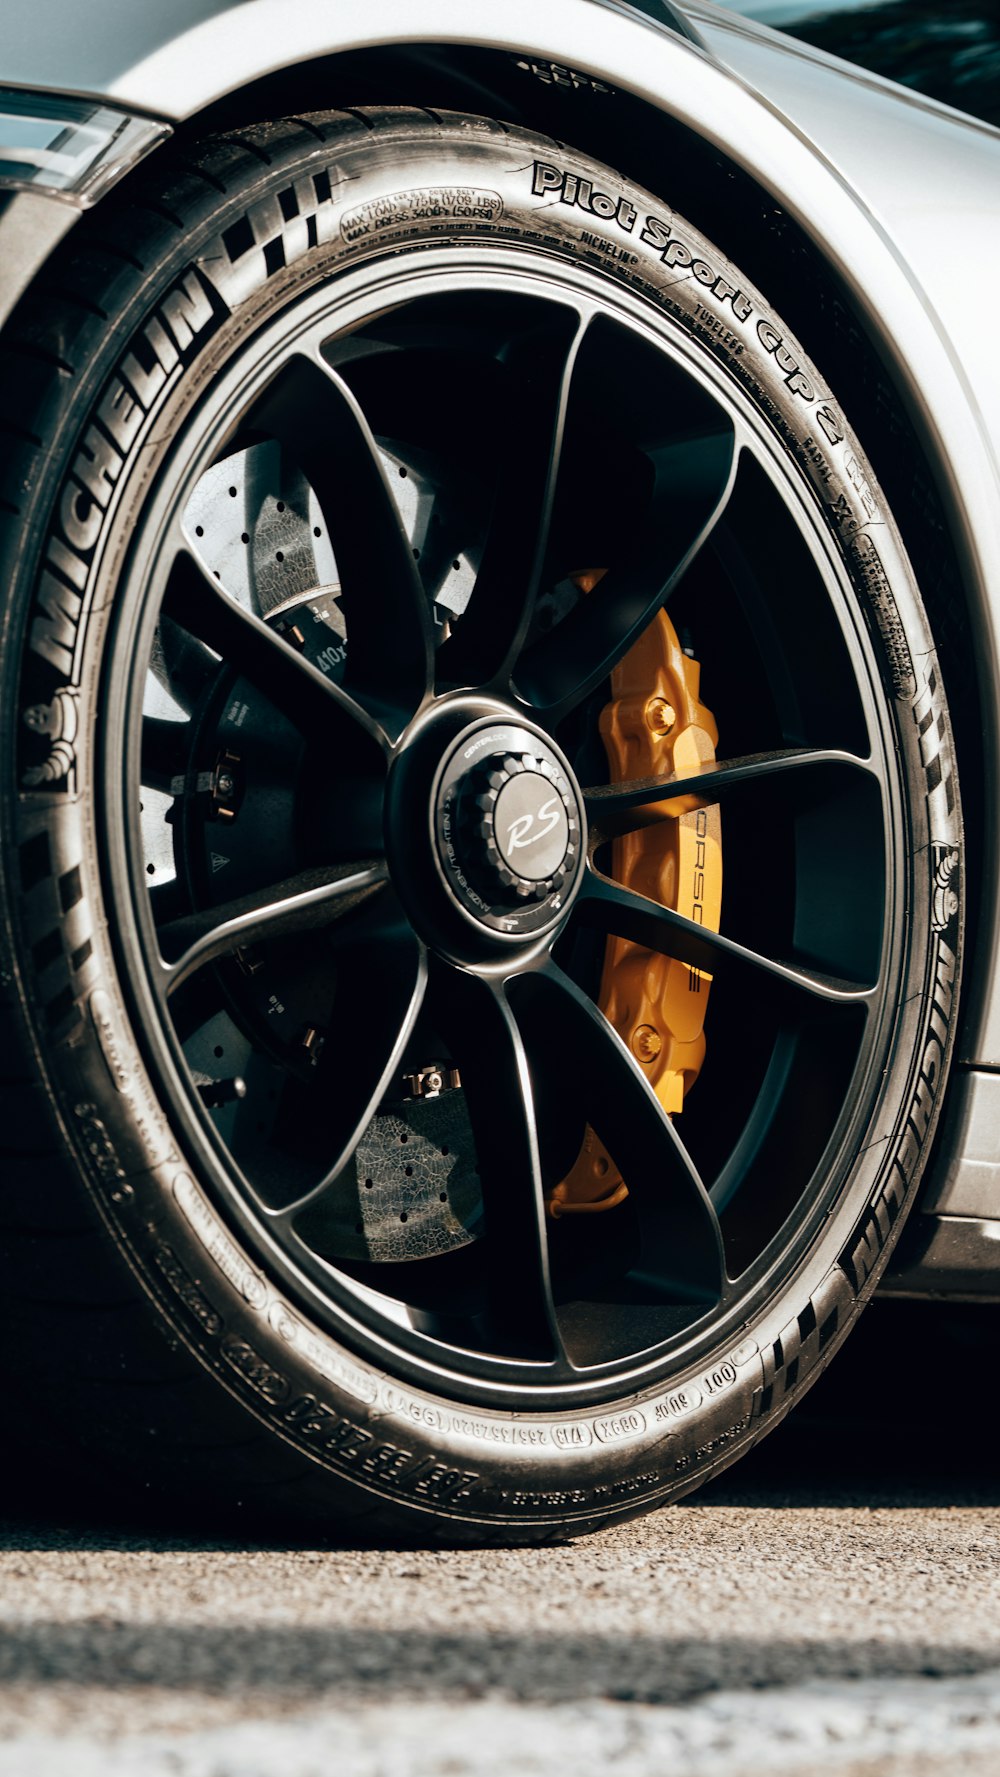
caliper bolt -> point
(660, 715)
(225, 786)
(431, 1081)
(646, 1042)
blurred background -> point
(947, 48)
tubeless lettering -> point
(707, 322)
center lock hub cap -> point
(508, 829)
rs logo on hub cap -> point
(509, 829)
(530, 819)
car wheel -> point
(481, 840)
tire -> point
(598, 1278)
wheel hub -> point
(508, 826)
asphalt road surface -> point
(832, 1606)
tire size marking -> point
(512, 1434)
(355, 1451)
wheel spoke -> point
(539, 371)
(381, 988)
(619, 911)
(167, 902)
(302, 693)
(681, 1241)
(166, 749)
(304, 903)
(390, 646)
(182, 666)
(614, 809)
(694, 479)
(489, 1051)
(314, 703)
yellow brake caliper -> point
(654, 726)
